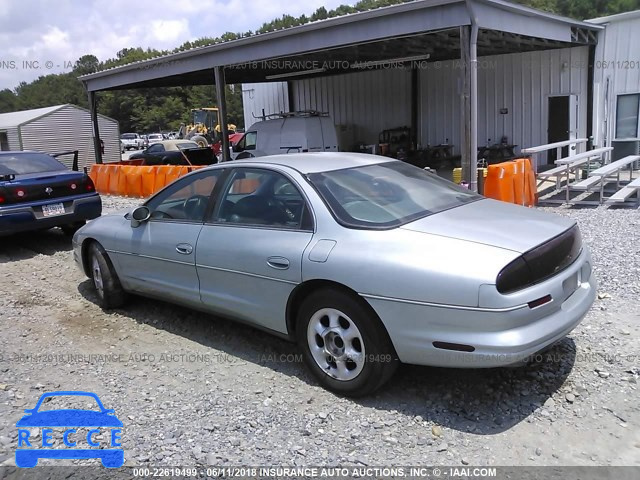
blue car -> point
(37, 192)
(70, 419)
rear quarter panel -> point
(409, 265)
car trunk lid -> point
(494, 223)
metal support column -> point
(97, 149)
(465, 113)
(415, 99)
(222, 107)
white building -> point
(58, 129)
(617, 84)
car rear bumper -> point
(498, 337)
(30, 217)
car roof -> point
(21, 152)
(172, 144)
(320, 161)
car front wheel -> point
(344, 344)
(105, 279)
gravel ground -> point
(193, 389)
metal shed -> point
(616, 112)
(432, 30)
(58, 129)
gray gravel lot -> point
(193, 389)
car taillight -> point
(514, 276)
(89, 186)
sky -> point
(38, 37)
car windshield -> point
(387, 195)
(155, 136)
(25, 163)
(69, 402)
(128, 136)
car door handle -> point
(184, 248)
(279, 263)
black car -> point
(38, 192)
(175, 152)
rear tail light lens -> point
(514, 276)
(90, 187)
(542, 262)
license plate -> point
(53, 209)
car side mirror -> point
(139, 215)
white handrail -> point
(551, 146)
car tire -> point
(344, 343)
(105, 279)
(200, 140)
(72, 228)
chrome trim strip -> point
(255, 275)
(442, 305)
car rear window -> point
(128, 136)
(187, 145)
(387, 195)
(26, 163)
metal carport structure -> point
(401, 35)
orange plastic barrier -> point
(102, 178)
(114, 180)
(135, 181)
(133, 175)
(174, 172)
(531, 190)
(512, 182)
(519, 181)
(148, 180)
(160, 179)
(499, 182)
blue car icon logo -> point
(71, 420)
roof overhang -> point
(423, 30)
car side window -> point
(185, 200)
(156, 148)
(248, 141)
(262, 197)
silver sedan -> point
(364, 261)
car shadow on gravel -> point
(478, 401)
(22, 246)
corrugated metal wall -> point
(13, 138)
(361, 104)
(368, 102)
(617, 60)
(521, 83)
(272, 97)
(69, 128)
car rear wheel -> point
(344, 344)
(105, 279)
